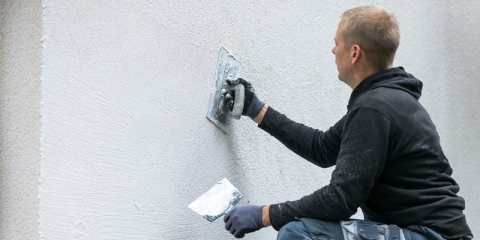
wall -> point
(20, 65)
(126, 146)
(444, 56)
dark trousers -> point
(314, 229)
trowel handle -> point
(239, 101)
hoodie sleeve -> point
(360, 162)
(320, 148)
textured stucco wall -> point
(443, 52)
(20, 64)
(125, 145)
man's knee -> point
(307, 228)
(292, 231)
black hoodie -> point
(388, 161)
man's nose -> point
(334, 49)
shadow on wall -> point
(20, 71)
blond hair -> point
(375, 30)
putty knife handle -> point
(239, 101)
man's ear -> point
(356, 53)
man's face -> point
(342, 58)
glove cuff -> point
(255, 107)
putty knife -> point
(217, 201)
(228, 68)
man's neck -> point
(361, 73)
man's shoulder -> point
(388, 101)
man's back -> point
(415, 187)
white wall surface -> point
(20, 65)
(126, 146)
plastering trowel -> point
(228, 68)
(217, 201)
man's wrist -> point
(259, 118)
(265, 216)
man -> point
(386, 151)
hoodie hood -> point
(395, 78)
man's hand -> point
(243, 219)
(252, 105)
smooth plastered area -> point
(103, 104)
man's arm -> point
(316, 146)
(320, 148)
(259, 118)
(360, 163)
(266, 216)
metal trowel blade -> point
(227, 67)
(217, 201)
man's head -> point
(368, 35)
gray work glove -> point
(252, 105)
(243, 219)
